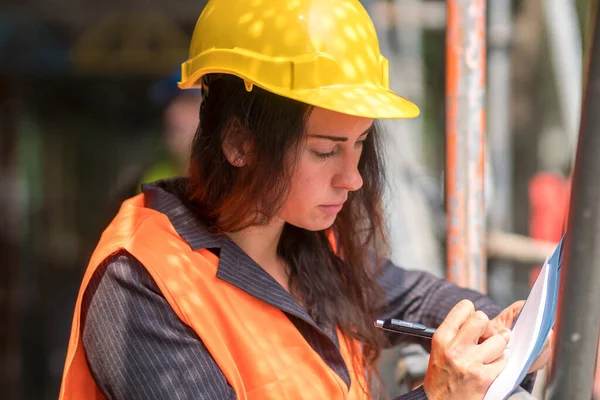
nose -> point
(348, 177)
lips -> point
(331, 208)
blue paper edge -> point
(549, 316)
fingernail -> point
(507, 334)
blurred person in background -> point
(260, 275)
(178, 124)
(180, 121)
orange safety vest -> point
(258, 349)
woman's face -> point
(327, 169)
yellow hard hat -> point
(321, 52)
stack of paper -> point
(531, 329)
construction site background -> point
(85, 93)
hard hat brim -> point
(358, 100)
(366, 101)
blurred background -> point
(89, 109)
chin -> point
(314, 225)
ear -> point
(236, 144)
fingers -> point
(516, 307)
(459, 367)
(484, 375)
(495, 327)
(473, 328)
(454, 321)
(492, 370)
(505, 319)
(492, 348)
(545, 354)
(512, 312)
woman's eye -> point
(324, 155)
(333, 152)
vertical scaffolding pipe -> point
(564, 43)
(465, 142)
(409, 39)
(578, 327)
(499, 140)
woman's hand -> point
(506, 320)
(462, 365)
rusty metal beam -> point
(465, 142)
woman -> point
(260, 276)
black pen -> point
(405, 327)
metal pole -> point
(500, 144)
(409, 219)
(409, 39)
(564, 43)
(498, 115)
(579, 305)
(465, 142)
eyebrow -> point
(340, 138)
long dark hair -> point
(336, 285)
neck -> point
(260, 243)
